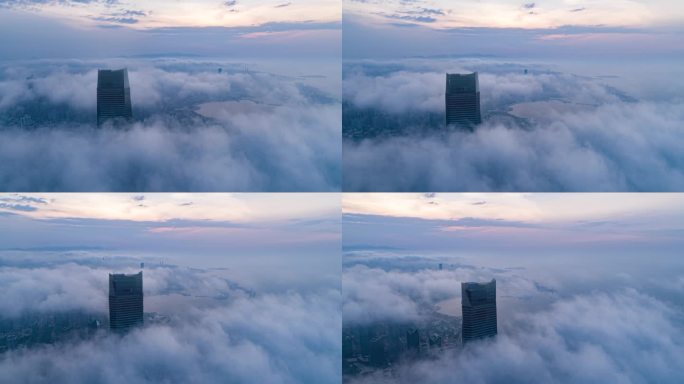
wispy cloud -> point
(18, 207)
(22, 203)
(405, 17)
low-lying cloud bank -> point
(262, 154)
(543, 131)
(562, 329)
(407, 289)
(218, 332)
(625, 337)
(196, 130)
(274, 339)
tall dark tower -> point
(125, 301)
(478, 302)
(113, 96)
(462, 100)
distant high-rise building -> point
(365, 336)
(413, 339)
(435, 341)
(378, 354)
(113, 96)
(125, 301)
(478, 302)
(347, 347)
(462, 100)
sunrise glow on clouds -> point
(545, 207)
(197, 224)
(548, 222)
(442, 14)
(81, 29)
(241, 208)
(161, 14)
(545, 28)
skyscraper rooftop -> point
(113, 96)
(478, 302)
(462, 83)
(462, 100)
(125, 301)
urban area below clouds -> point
(199, 126)
(543, 129)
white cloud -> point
(218, 331)
(289, 142)
(586, 137)
(562, 326)
(625, 337)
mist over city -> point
(223, 97)
(354, 191)
(217, 304)
(566, 96)
(588, 281)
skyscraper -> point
(413, 339)
(462, 100)
(347, 347)
(478, 302)
(378, 353)
(125, 301)
(113, 96)
(435, 341)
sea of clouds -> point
(560, 325)
(286, 139)
(219, 331)
(609, 132)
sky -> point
(103, 28)
(238, 208)
(375, 29)
(240, 231)
(518, 223)
(158, 14)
